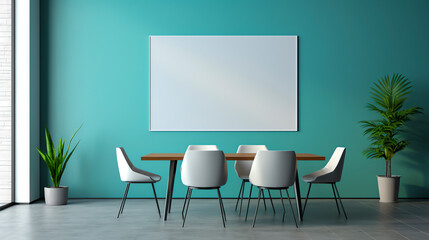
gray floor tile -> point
(96, 219)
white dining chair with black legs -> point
(130, 174)
(203, 169)
(202, 147)
(193, 147)
(242, 168)
(330, 174)
(274, 170)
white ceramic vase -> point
(388, 187)
(55, 196)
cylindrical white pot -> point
(388, 187)
(56, 195)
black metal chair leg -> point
(187, 206)
(257, 207)
(283, 205)
(335, 196)
(306, 199)
(291, 208)
(221, 207)
(263, 195)
(339, 198)
(248, 201)
(122, 202)
(271, 199)
(126, 194)
(156, 199)
(184, 204)
(239, 194)
(123, 199)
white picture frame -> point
(223, 83)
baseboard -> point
(7, 205)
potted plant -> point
(56, 161)
(388, 95)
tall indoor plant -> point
(388, 95)
(56, 161)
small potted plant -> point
(56, 161)
(388, 95)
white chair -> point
(130, 174)
(273, 170)
(330, 174)
(242, 168)
(202, 147)
(203, 169)
(194, 147)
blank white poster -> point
(223, 83)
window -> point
(6, 102)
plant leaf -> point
(56, 163)
(388, 96)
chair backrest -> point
(273, 169)
(335, 164)
(204, 168)
(242, 168)
(202, 147)
(124, 164)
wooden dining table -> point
(174, 157)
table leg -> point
(170, 185)
(298, 196)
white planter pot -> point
(55, 196)
(388, 187)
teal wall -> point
(95, 71)
(34, 99)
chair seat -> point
(321, 176)
(140, 176)
(309, 177)
(243, 176)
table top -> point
(228, 156)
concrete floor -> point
(96, 219)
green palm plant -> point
(56, 162)
(388, 95)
